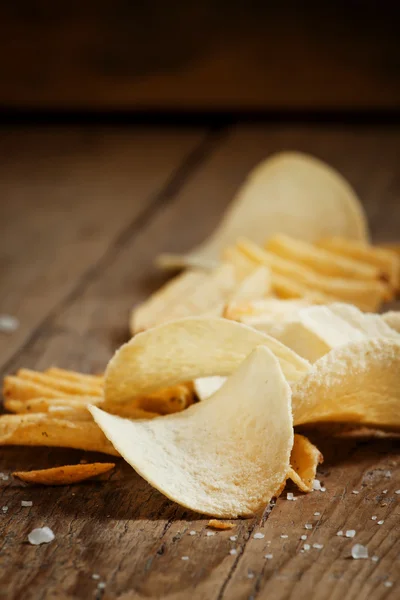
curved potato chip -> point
(225, 457)
(291, 193)
(66, 475)
(304, 460)
(358, 382)
(186, 349)
(392, 318)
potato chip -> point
(184, 350)
(287, 289)
(358, 382)
(22, 389)
(65, 475)
(255, 285)
(66, 386)
(271, 309)
(243, 265)
(225, 457)
(221, 525)
(387, 261)
(320, 260)
(40, 429)
(367, 295)
(191, 293)
(207, 386)
(167, 400)
(392, 318)
(290, 193)
(304, 460)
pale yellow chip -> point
(255, 285)
(290, 193)
(41, 429)
(205, 387)
(392, 318)
(271, 310)
(358, 382)
(22, 389)
(225, 457)
(65, 475)
(184, 350)
(304, 460)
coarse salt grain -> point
(318, 546)
(355, 492)
(375, 558)
(26, 503)
(41, 535)
(8, 323)
(101, 585)
(95, 576)
(374, 517)
(384, 492)
(192, 532)
(258, 536)
(388, 584)
(340, 533)
(303, 537)
(350, 533)
(359, 551)
(289, 496)
(250, 575)
(323, 489)
(388, 474)
(308, 526)
(284, 536)
(397, 492)
(316, 486)
(4, 477)
(306, 546)
(4, 509)
(185, 558)
(210, 533)
(381, 522)
(317, 514)
(233, 538)
(268, 556)
(233, 551)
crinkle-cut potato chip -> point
(191, 293)
(40, 429)
(207, 386)
(304, 461)
(387, 261)
(65, 475)
(65, 386)
(291, 193)
(225, 457)
(74, 375)
(320, 260)
(358, 382)
(255, 285)
(367, 295)
(184, 350)
(221, 525)
(392, 318)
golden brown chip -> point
(222, 525)
(304, 460)
(66, 475)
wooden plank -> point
(68, 197)
(217, 56)
(130, 534)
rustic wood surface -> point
(84, 212)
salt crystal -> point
(4, 509)
(381, 522)
(258, 536)
(318, 546)
(210, 533)
(303, 537)
(233, 551)
(4, 477)
(316, 486)
(397, 492)
(41, 535)
(359, 551)
(8, 323)
(374, 517)
(101, 585)
(375, 558)
(268, 556)
(26, 503)
(95, 576)
(384, 492)
(308, 526)
(388, 584)
(289, 496)
(350, 533)
(250, 575)
(355, 492)
(388, 474)
(323, 489)
(306, 546)
(340, 533)
(185, 558)
(192, 532)
(317, 514)
(284, 536)
(233, 538)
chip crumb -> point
(192, 532)
(308, 526)
(26, 503)
(306, 546)
(374, 517)
(350, 533)
(284, 536)
(41, 535)
(303, 537)
(4, 509)
(381, 522)
(233, 551)
(317, 514)
(316, 486)
(185, 558)
(268, 556)
(8, 324)
(318, 546)
(340, 533)
(258, 536)
(375, 558)
(95, 576)
(388, 584)
(355, 492)
(359, 551)
(210, 533)
(216, 524)
(233, 538)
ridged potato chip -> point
(225, 457)
(304, 460)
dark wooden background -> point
(208, 55)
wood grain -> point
(121, 528)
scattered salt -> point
(192, 532)
(340, 533)
(359, 551)
(8, 323)
(397, 492)
(355, 492)
(41, 535)
(381, 522)
(258, 536)
(374, 517)
(250, 575)
(185, 558)
(233, 551)
(4, 509)
(350, 533)
(95, 576)
(284, 536)
(4, 477)
(210, 533)
(375, 558)
(323, 489)
(26, 503)
(384, 492)
(318, 546)
(303, 537)
(388, 474)
(316, 486)
(268, 556)
(306, 546)
(308, 526)
(101, 585)
(289, 496)
(388, 584)
(317, 514)
(233, 538)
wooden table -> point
(84, 211)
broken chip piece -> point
(64, 475)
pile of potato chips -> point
(260, 334)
